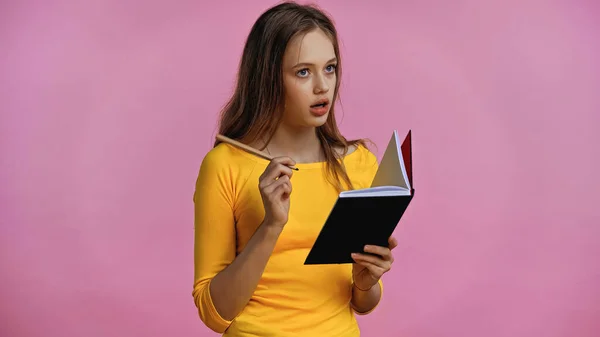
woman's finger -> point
(277, 167)
(384, 252)
(393, 242)
(375, 270)
(286, 188)
(372, 259)
(274, 174)
(281, 191)
(271, 188)
(289, 187)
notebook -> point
(369, 215)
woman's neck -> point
(300, 144)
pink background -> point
(108, 107)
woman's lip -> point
(321, 101)
(320, 110)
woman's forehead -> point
(314, 47)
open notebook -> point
(369, 215)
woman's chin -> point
(310, 121)
(317, 121)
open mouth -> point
(320, 104)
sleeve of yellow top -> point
(370, 168)
(214, 235)
(380, 297)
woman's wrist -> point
(273, 230)
(276, 225)
(362, 289)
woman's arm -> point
(232, 288)
(224, 282)
(366, 275)
(364, 301)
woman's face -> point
(309, 78)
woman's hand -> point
(275, 189)
(368, 269)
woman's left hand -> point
(368, 269)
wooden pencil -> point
(248, 148)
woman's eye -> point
(302, 72)
(330, 68)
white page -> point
(376, 191)
(391, 170)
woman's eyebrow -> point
(305, 64)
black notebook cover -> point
(354, 223)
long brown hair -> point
(256, 107)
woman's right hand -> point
(275, 189)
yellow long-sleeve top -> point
(291, 299)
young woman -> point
(256, 220)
